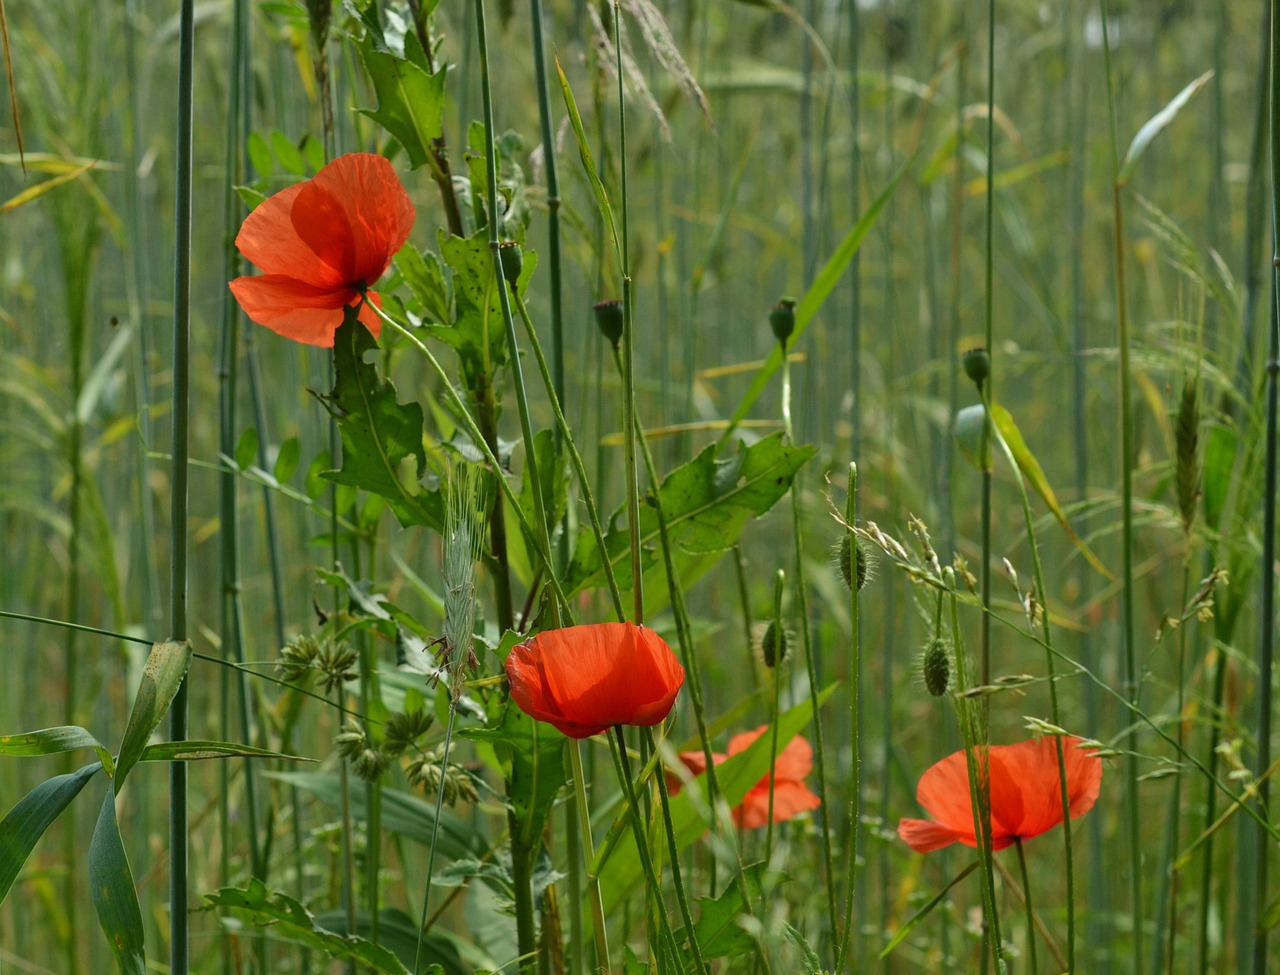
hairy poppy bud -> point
(935, 667)
(609, 319)
(782, 319)
(511, 259)
(846, 563)
(775, 647)
(977, 365)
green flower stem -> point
(855, 717)
(179, 941)
(599, 931)
(677, 880)
(1131, 676)
(1031, 914)
(1047, 642)
(562, 427)
(623, 765)
(473, 430)
(802, 610)
(431, 849)
(779, 642)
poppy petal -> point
(361, 195)
(297, 310)
(943, 791)
(790, 799)
(925, 836)
(269, 239)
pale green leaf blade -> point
(162, 675)
(40, 189)
(114, 895)
(34, 813)
(48, 741)
(588, 163)
(193, 750)
(1156, 124)
(921, 914)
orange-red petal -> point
(297, 310)
(1026, 798)
(790, 799)
(584, 679)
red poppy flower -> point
(320, 244)
(585, 679)
(1026, 795)
(791, 796)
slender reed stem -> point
(598, 929)
(1031, 914)
(179, 944)
(435, 830)
(776, 672)
(1132, 685)
(855, 722)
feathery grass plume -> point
(1186, 440)
(935, 667)
(463, 535)
(662, 46)
(634, 75)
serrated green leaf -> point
(399, 933)
(425, 276)
(718, 932)
(112, 890)
(382, 447)
(809, 306)
(260, 155)
(402, 813)
(286, 918)
(410, 97)
(193, 750)
(35, 812)
(621, 874)
(707, 503)
(247, 449)
(287, 459)
(1156, 124)
(162, 675)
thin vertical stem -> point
(984, 673)
(1026, 892)
(776, 672)
(179, 948)
(855, 720)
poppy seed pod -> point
(935, 667)
(511, 259)
(782, 319)
(847, 545)
(977, 365)
(775, 647)
(609, 319)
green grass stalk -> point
(775, 672)
(1026, 890)
(1132, 684)
(179, 942)
(855, 727)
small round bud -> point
(846, 563)
(977, 365)
(610, 320)
(511, 258)
(782, 319)
(935, 668)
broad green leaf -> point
(285, 918)
(260, 154)
(247, 448)
(50, 741)
(588, 163)
(399, 933)
(718, 932)
(382, 448)
(34, 813)
(813, 299)
(410, 96)
(289, 155)
(162, 675)
(287, 460)
(1156, 124)
(921, 914)
(111, 887)
(622, 875)
(532, 756)
(707, 503)
(194, 751)
(404, 814)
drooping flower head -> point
(791, 796)
(320, 244)
(585, 679)
(1026, 796)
